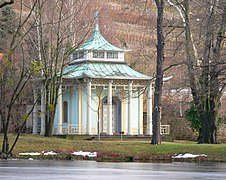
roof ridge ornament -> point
(97, 14)
(97, 42)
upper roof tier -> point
(98, 43)
(97, 48)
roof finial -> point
(97, 16)
(97, 19)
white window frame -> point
(98, 54)
(78, 55)
(112, 55)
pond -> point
(63, 170)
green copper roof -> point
(99, 43)
(104, 71)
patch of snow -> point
(84, 154)
(77, 153)
(50, 153)
(189, 155)
(30, 154)
(37, 153)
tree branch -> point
(6, 3)
(173, 65)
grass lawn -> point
(32, 143)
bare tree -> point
(205, 63)
(15, 75)
(156, 139)
(60, 28)
(99, 92)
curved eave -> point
(167, 78)
(103, 71)
(109, 77)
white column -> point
(35, 113)
(140, 112)
(89, 130)
(70, 109)
(109, 115)
(43, 109)
(60, 111)
(149, 110)
(79, 109)
(130, 88)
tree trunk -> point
(49, 124)
(51, 103)
(156, 138)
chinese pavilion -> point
(100, 91)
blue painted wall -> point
(66, 97)
(56, 117)
(75, 106)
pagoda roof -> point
(103, 71)
(98, 43)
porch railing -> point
(165, 129)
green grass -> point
(31, 143)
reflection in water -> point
(50, 169)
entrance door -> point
(116, 115)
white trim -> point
(149, 110)
(60, 113)
(93, 87)
(140, 112)
(130, 93)
(89, 130)
(109, 105)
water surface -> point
(60, 170)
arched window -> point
(65, 112)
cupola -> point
(97, 48)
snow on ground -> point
(50, 153)
(30, 154)
(77, 153)
(84, 154)
(37, 153)
(188, 155)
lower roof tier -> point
(104, 71)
